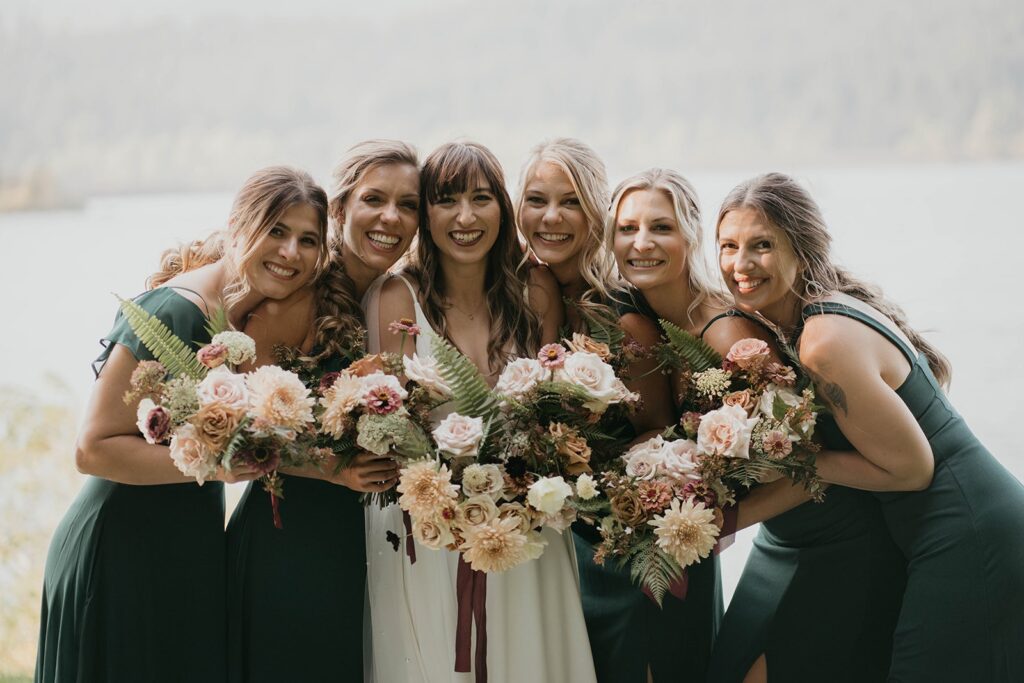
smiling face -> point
(380, 216)
(649, 245)
(551, 216)
(758, 263)
(285, 257)
(465, 225)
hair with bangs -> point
(586, 173)
(686, 210)
(785, 205)
(451, 169)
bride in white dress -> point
(469, 284)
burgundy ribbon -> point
(410, 543)
(471, 587)
(276, 511)
(728, 533)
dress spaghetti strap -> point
(836, 308)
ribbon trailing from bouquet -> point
(471, 588)
(728, 533)
(410, 542)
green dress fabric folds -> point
(963, 538)
(133, 588)
(296, 594)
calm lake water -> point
(944, 241)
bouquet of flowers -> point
(508, 462)
(744, 421)
(213, 417)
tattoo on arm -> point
(831, 392)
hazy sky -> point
(74, 15)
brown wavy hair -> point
(450, 169)
(783, 203)
(339, 313)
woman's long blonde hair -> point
(589, 180)
(783, 203)
(686, 209)
(449, 170)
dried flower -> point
(686, 531)
(581, 342)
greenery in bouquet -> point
(213, 417)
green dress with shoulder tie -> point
(296, 594)
(962, 617)
(134, 583)
(629, 633)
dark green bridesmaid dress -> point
(134, 583)
(820, 593)
(295, 594)
(628, 632)
(963, 537)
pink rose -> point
(726, 432)
(748, 354)
(212, 355)
(225, 387)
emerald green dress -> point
(629, 633)
(963, 537)
(134, 583)
(820, 593)
(296, 594)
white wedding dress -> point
(535, 627)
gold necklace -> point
(471, 316)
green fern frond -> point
(691, 351)
(167, 348)
(218, 321)
(601, 328)
(471, 394)
(653, 568)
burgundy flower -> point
(328, 380)
(383, 400)
(263, 458)
(158, 425)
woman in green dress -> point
(296, 594)
(134, 581)
(955, 514)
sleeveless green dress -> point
(820, 593)
(963, 538)
(628, 632)
(296, 594)
(134, 583)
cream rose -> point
(726, 432)
(644, 459)
(590, 373)
(681, 459)
(520, 376)
(223, 386)
(766, 406)
(459, 435)
(483, 480)
(475, 511)
(189, 455)
(425, 372)
(432, 532)
(548, 494)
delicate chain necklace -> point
(470, 315)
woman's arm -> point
(656, 409)
(545, 298)
(846, 361)
(109, 444)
